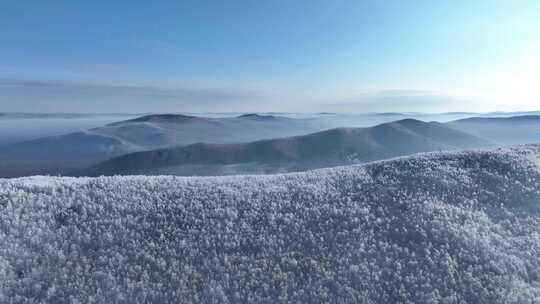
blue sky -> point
(180, 56)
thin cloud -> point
(35, 95)
(395, 101)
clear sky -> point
(319, 55)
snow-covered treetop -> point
(434, 228)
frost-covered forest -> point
(460, 227)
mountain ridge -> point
(85, 148)
(502, 130)
(321, 149)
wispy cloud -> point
(395, 101)
(47, 96)
(18, 95)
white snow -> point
(433, 228)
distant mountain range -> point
(322, 149)
(65, 153)
(502, 130)
(157, 131)
(253, 143)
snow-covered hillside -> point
(433, 228)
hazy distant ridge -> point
(321, 149)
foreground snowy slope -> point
(435, 228)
